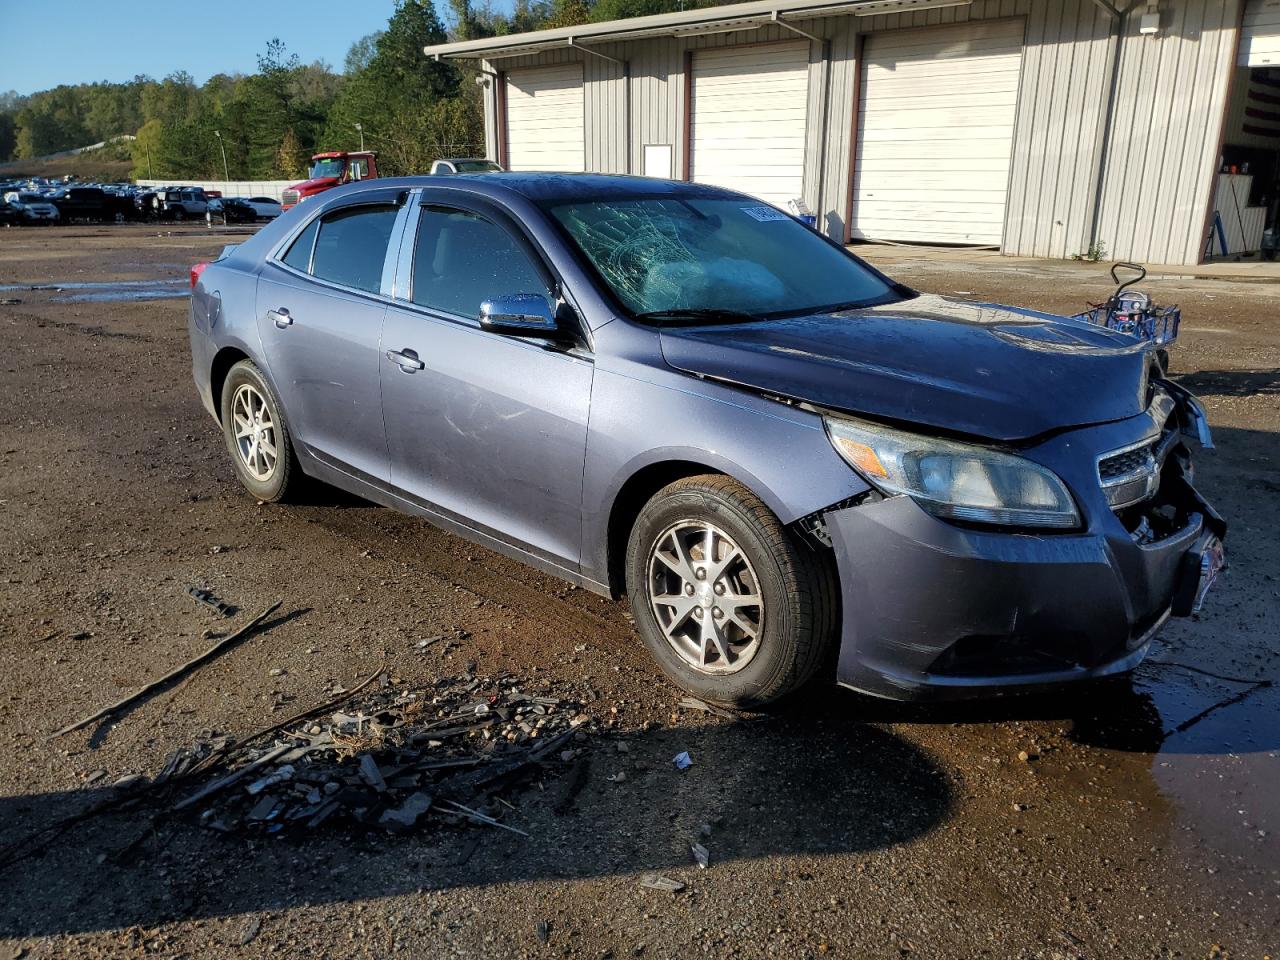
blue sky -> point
(48, 42)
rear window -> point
(299, 255)
(352, 245)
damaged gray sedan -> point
(676, 393)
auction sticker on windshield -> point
(765, 214)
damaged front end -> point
(940, 605)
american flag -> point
(1262, 103)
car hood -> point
(981, 369)
(318, 183)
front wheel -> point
(257, 436)
(735, 609)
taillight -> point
(198, 269)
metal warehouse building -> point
(1043, 127)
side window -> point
(352, 245)
(299, 255)
(462, 260)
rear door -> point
(320, 310)
(486, 431)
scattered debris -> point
(543, 930)
(691, 703)
(618, 777)
(249, 931)
(655, 882)
(393, 758)
(701, 855)
(206, 597)
(682, 760)
(172, 675)
(95, 776)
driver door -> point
(485, 430)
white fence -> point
(229, 188)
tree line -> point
(410, 109)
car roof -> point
(551, 186)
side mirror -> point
(521, 315)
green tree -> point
(360, 53)
(144, 148)
(8, 136)
(291, 158)
(569, 13)
(413, 110)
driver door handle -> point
(406, 359)
(281, 317)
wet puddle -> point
(112, 291)
(1219, 756)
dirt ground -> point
(1143, 822)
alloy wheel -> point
(255, 432)
(706, 597)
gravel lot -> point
(1142, 823)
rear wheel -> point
(179, 214)
(257, 437)
(734, 608)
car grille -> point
(289, 198)
(1121, 465)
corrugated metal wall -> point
(1156, 177)
(1066, 74)
(1164, 144)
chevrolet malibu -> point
(787, 461)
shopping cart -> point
(1132, 312)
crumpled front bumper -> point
(936, 611)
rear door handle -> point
(281, 317)
(406, 359)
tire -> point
(794, 622)
(283, 480)
(179, 214)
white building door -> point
(749, 111)
(1260, 34)
(935, 133)
(545, 119)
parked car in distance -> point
(93, 204)
(681, 394)
(33, 208)
(265, 207)
(8, 214)
(229, 210)
(182, 204)
(464, 165)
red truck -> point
(329, 170)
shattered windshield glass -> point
(714, 259)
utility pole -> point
(147, 147)
(225, 172)
(360, 127)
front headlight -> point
(958, 481)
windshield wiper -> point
(697, 315)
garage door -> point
(545, 119)
(749, 106)
(1260, 34)
(935, 133)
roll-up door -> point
(1260, 34)
(749, 111)
(936, 116)
(545, 119)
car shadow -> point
(806, 782)
(1231, 383)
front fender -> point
(779, 452)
